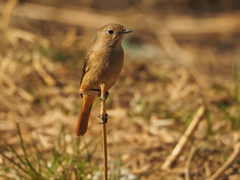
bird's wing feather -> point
(85, 65)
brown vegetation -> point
(179, 69)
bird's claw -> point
(105, 97)
(103, 118)
(98, 90)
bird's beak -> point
(126, 31)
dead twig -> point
(227, 164)
(74, 175)
(103, 115)
(27, 36)
(41, 71)
(188, 162)
(181, 143)
(12, 87)
(7, 12)
(61, 15)
(173, 49)
(207, 169)
(70, 37)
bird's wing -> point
(85, 65)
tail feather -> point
(84, 115)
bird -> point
(102, 64)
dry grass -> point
(166, 78)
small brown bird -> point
(102, 64)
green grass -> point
(34, 162)
(40, 163)
(231, 110)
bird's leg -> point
(98, 90)
(103, 118)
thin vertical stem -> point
(104, 136)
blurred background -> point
(182, 55)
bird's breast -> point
(103, 67)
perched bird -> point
(102, 64)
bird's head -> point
(112, 33)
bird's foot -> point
(105, 97)
(98, 90)
(103, 118)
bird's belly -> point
(109, 74)
(101, 73)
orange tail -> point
(84, 115)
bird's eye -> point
(110, 31)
